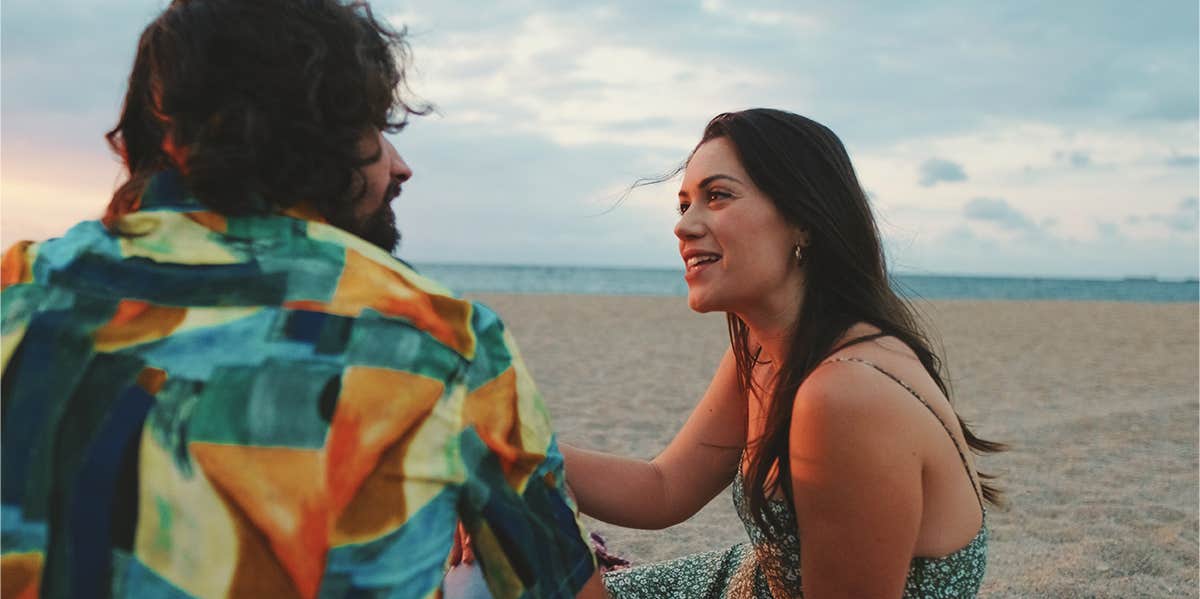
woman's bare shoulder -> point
(848, 389)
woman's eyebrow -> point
(709, 179)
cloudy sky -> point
(1018, 138)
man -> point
(228, 386)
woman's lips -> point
(696, 265)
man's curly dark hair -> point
(260, 103)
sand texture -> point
(1098, 400)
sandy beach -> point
(1098, 400)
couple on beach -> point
(228, 387)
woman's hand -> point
(460, 552)
(697, 464)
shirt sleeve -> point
(525, 529)
(18, 299)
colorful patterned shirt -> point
(201, 405)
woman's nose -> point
(689, 226)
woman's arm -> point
(856, 476)
(697, 464)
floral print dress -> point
(763, 569)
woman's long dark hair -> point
(803, 167)
(260, 104)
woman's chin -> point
(698, 302)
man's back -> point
(252, 406)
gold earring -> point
(799, 255)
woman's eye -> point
(683, 207)
(716, 194)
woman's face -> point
(737, 248)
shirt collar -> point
(167, 192)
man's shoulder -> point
(392, 288)
(473, 317)
(16, 267)
(19, 259)
(202, 260)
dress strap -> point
(961, 455)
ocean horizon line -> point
(897, 273)
(659, 281)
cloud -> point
(1183, 160)
(1108, 229)
(549, 106)
(1174, 105)
(539, 201)
(1178, 221)
(936, 170)
(997, 211)
(1182, 219)
(1174, 257)
(566, 78)
(759, 17)
(1076, 158)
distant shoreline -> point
(620, 281)
(897, 273)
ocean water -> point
(468, 278)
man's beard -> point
(378, 228)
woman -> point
(828, 413)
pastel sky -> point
(1013, 138)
